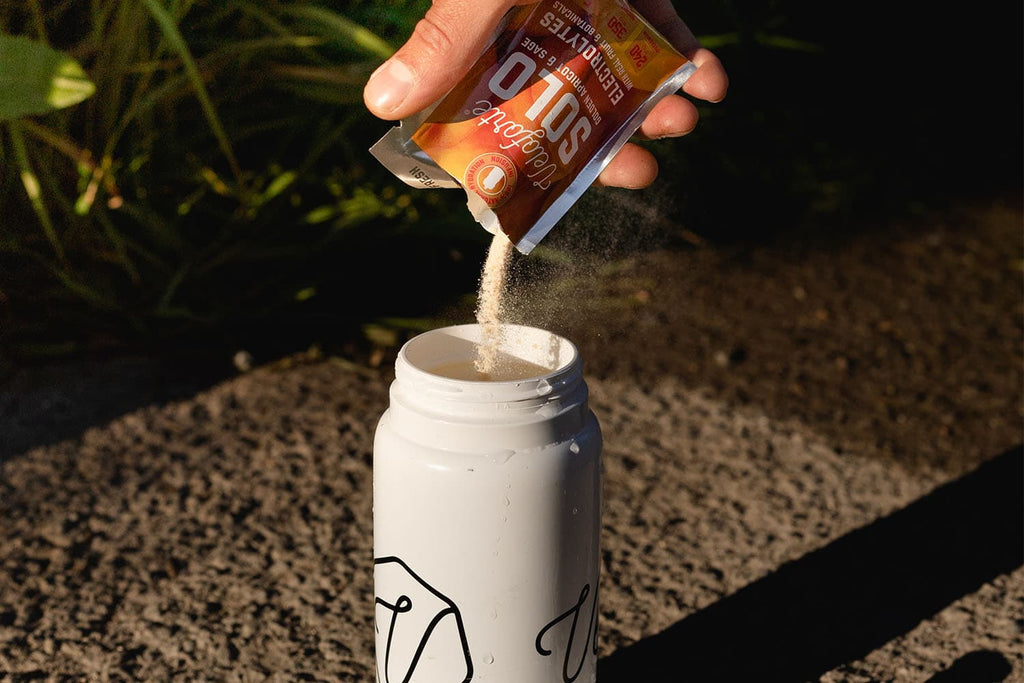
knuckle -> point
(434, 34)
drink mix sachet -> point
(561, 87)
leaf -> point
(720, 40)
(787, 43)
(278, 185)
(36, 79)
(341, 28)
(321, 214)
(381, 335)
(413, 324)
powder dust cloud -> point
(577, 262)
(572, 271)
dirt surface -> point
(813, 472)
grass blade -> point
(84, 291)
(38, 21)
(337, 85)
(346, 31)
(30, 181)
(143, 104)
(62, 144)
(275, 26)
(169, 28)
(120, 245)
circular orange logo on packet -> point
(492, 176)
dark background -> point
(841, 115)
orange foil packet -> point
(560, 89)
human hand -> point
(453, 33)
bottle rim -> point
(457, 343)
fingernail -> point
(388, 86)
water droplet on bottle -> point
(488, 658)
(543, 387)
(501, 457)
(574, 448)
(507, 501)
(575, 511)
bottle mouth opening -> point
(524, 354)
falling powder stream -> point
(489, 302)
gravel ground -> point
(789, 494)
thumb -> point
(444, 45)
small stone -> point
(242, 360)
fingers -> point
(709, 82)
(453, 33)
(633, 168)
(441, 49)
(671, 117)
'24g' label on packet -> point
(561, 87)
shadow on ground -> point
(40, 406)
(980, 665)
(841, 602)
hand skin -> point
(453, 33)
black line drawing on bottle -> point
(417, 619)
(589, 643)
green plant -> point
(224, 140)
(36, 80)
(216, 184)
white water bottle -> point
(487, 514)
